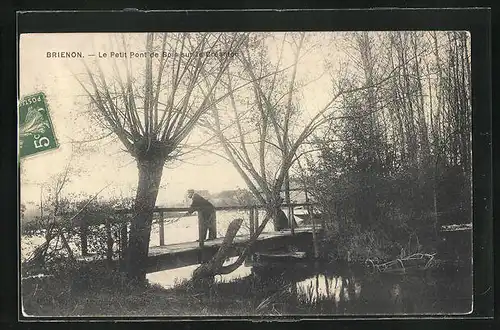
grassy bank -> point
(77, 290)
(316, 289)
(92, 293)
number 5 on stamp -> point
(36, 133)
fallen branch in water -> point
(399, 263)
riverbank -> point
(104, 292)
(324, 288)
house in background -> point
(203, 193)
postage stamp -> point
(36, 132)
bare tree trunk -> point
(109, 242)
(246, 250)
(150, 171)
(287, 190)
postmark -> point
(36, 132)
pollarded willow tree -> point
(152, 102)
(264, 127)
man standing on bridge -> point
(206, 216)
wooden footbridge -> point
(170, 256)
(190, 253)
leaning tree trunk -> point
(150, 171)
(214, 266)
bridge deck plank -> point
(238, 240)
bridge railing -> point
(253, 213)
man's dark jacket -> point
(201, 205)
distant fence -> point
(161, 211)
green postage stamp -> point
(36, 132)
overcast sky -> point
(108, 164)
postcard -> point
(245, 174)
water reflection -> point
(329, 287)
(241, 272)
(169, 278)
(335, 290)
(323, 287)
